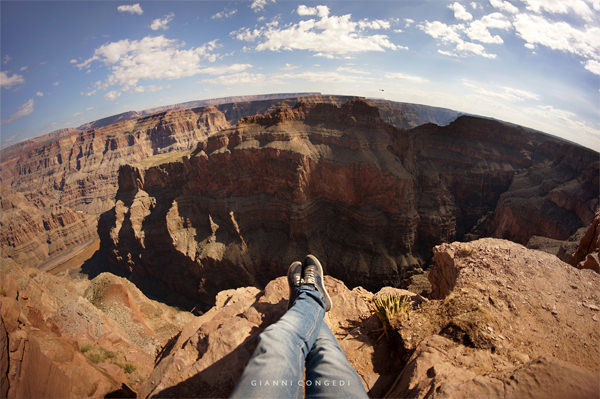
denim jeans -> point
(299, 338)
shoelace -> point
(309, 276)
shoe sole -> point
(326, 296)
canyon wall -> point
(74, 171)
(369, 199)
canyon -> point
(75, 170)
(143, 253)
(369, 199)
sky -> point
(531, 62)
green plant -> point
(390, 307)
(85, 348)
(108, 354)
(129, 368)
(95, 357)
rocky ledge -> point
(507, 322)
(503, 322)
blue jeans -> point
(276, 368)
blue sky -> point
(531, 62)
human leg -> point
(276, 368)
(328, 372)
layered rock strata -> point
(369, 199)
(64, 338)
(76, 169)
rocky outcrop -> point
(224, 338)
(65, 338)
(586, 255)
(369, 199)
(507, 322)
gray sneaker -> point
(294, 276)
(312, 274)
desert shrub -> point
(129, 368)
(389, 308)
(95, 357)
(85, 348)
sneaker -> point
(313, 274)
(294, 276)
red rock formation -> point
(77, 338)
(224, 338)
(77, 168)
(76, 174)
(508, 323)
(31, 232)
(512, 323)
(369, 199)
(586, 256)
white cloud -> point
(478, 30)
(352, 70)
(475, 5)
(503, 92)
(259, 5)
(112, 95)
(375, 24)
(578, 7)
(402, 76)
(322, 77)
(224, 14)
(321, 11)
(151, 58)
(39, 94)
(22, 111)
(159, 23)
(504, 6)
(564, 123)
(408, 22)
(460, 12)
(593, 66)
(289, 67)
(450, 35)
(56, 83)
(237, 78)
(132, 9)
(328, 36)
(561, 36)
(149, 88)
(23, 68)
(6, 82)
(221, 70)
(6, 59)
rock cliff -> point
(586, 255)
(508, 322)
(368, 198)
(76, 169)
